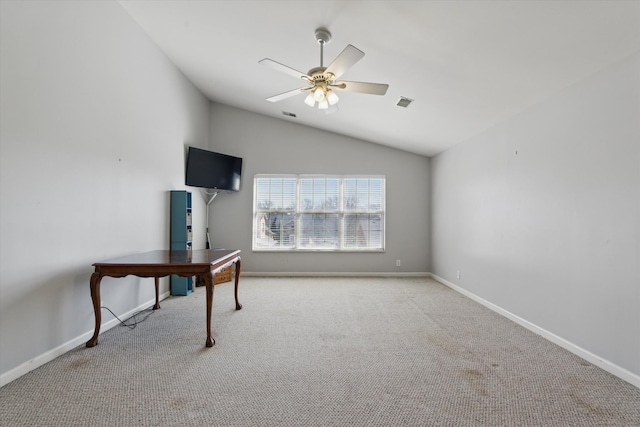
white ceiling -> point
(468, 64)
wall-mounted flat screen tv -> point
(213, 170)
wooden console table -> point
(201, 263)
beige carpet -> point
(321, 352)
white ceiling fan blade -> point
(287, 94)
(283, 68)
(362, 87)
(347, 58)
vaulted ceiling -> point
(468, 65)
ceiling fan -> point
(321, 81)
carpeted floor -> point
(321, 352)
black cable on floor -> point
(134, 317)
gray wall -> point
(94, 120)
(541, 215)
(269, 145)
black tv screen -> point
(208, 169)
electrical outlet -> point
(458, 274)
(398, 263)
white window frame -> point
(293, 241)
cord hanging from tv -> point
(215, 171)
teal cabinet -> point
(181, 235)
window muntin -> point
(318, 213)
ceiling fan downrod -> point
(323, 36)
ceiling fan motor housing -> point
(318, 75)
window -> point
(318, 213)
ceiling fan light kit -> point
(322, 80)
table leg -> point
(207, 278)
(238, 305)
(94, 285)
(157, 305)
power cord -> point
(134, 317)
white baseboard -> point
(333, 274)
(48, 356)
(612, 368)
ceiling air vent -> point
(404, 102)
